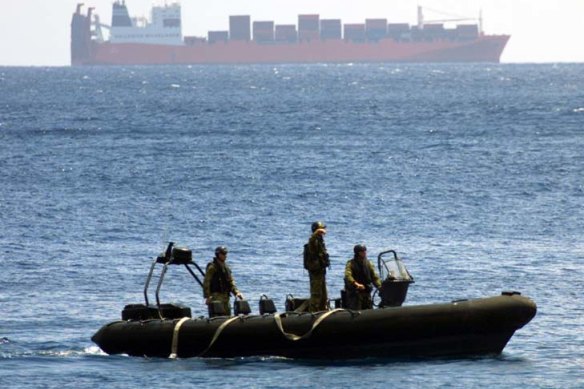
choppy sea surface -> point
(474, 173)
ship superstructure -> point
(159, 40)
(163, 27)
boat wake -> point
(14, 350)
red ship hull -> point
(486, 48)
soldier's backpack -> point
(306, 255)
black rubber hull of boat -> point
(468, 327)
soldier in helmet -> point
(360, 277)
(219, 283)
(316, 261)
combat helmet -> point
(359, 248)
(317, 225)
(221, 249)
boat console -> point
(396, 280)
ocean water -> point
(474, 173)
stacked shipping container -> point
(355, 32)
(239, 28)
(311, 27)
(218, 36)
(286, 33)
(308, 28)
(331, 29)
(263, 32)
(375, 29)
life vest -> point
(316, 261)
(221, 281)
(361, 273)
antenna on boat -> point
(164, 241)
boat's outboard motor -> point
(396, 280)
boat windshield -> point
(396, 270)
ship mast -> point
(420, 18)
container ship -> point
(159, 40)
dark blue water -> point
(473, 173)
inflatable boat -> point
(458, 328)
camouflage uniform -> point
(319, 261)
(219, 283)
(364, 273)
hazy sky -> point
(36, 32)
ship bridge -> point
(163, 27)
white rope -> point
(224, 325)
(218, 332)
(316, 323)
(174, 346)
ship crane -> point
(97, 25)
(453, 18)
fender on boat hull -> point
(464, 327)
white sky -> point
(36, 32)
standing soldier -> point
(360, 277)
(219, 282)
(316, 260)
